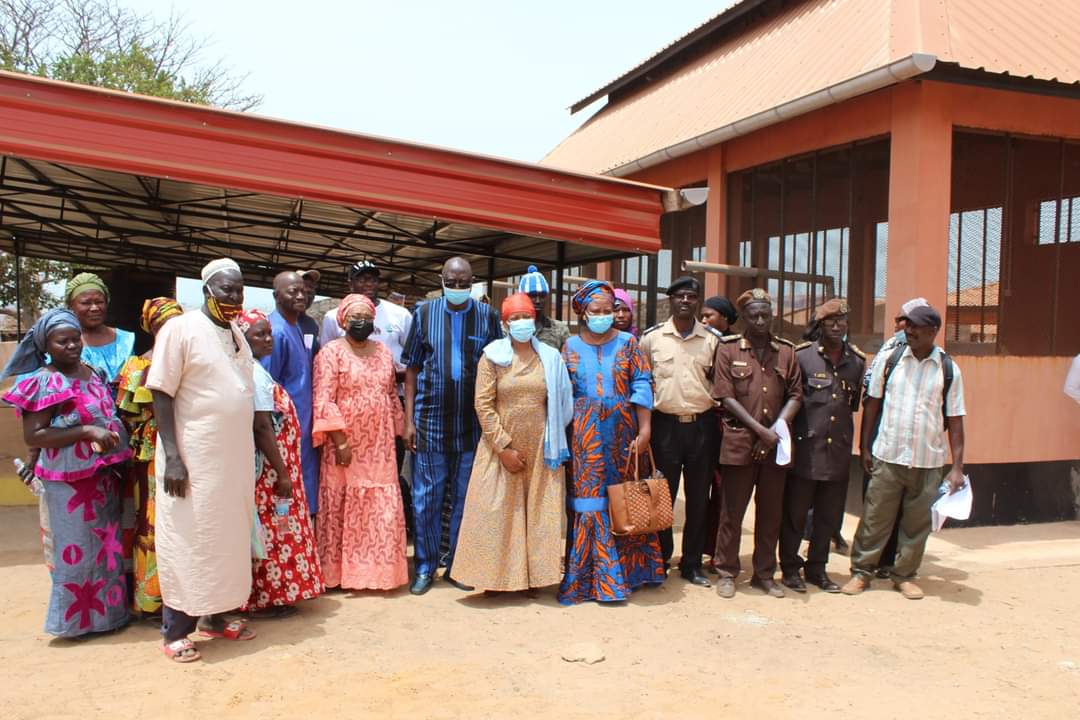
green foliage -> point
(36, 275)
(133, 70)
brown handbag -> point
(640, 506)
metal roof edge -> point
(271, 121)
(876, 79)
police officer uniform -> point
(762, 386)
(823, 432)
(684, 432)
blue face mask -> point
(599, 324)
(456, 296)
(522, 330)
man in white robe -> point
(201, 379)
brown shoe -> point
(769, 587)
(725, 587)
(909, 590)
(856, 584)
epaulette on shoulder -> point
(730, 338)
(803, 346)
(784, 341)
(855, 349)
(649, 330)
(713, 331)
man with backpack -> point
(915, 402)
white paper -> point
(956, 505)
(309, 340)
(783, 448)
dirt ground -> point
(997, 636)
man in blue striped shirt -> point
(445, 342)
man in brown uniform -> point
(758, 381)
(832, 372)
(684, 436)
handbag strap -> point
(634, 458)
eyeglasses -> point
(457, 284)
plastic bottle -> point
(36, 486)
(281, 516)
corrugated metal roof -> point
(808, 46)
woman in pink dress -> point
(360, 528)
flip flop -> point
(234, 630)
(181, 651)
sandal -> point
(276, 612)
(181, 651)
(234, 630)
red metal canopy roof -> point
(46, 124)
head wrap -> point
(533, 282)
(84, 282)
(587, 292)
(30, 353)
(519, 302)
(752, 296)
(213, 267)
(723, 306)
(349, 305)
(621, 296)
(156, 311)
(248, 318)
(836, 306)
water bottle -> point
(281, 516)
(36, 486)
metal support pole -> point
(652, 282)
(18, 291)
(490, 279)
(753, 272)
(560, 268)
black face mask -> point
(360, 329)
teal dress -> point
(111, 358)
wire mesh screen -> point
(1014, 245)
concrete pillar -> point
(716, 213)
(920, 174)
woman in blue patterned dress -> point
(612, 418)
(104, 347)
(68, 415)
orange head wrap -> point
(517, 303)
(349, 305)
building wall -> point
(1017, 411)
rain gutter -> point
(891, 74)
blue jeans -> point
(433, 472)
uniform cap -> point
(752, 296)
(684, 283)
(922, 316)
(836, 306)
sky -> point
(489, 77)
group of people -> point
(249, 462)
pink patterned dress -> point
(360, 527)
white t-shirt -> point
(392, 325)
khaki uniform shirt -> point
(763, 388)
(682, 368)
(824, 429)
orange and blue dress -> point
(608, 380)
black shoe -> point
(883, 573)
(824, 582)
(694, 576)
(460, 586)
(421, 584)
(795, 582)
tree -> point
(99, 42)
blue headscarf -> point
(587, 292)
(30, 353)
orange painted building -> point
(888, 149)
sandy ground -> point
(997, 636)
